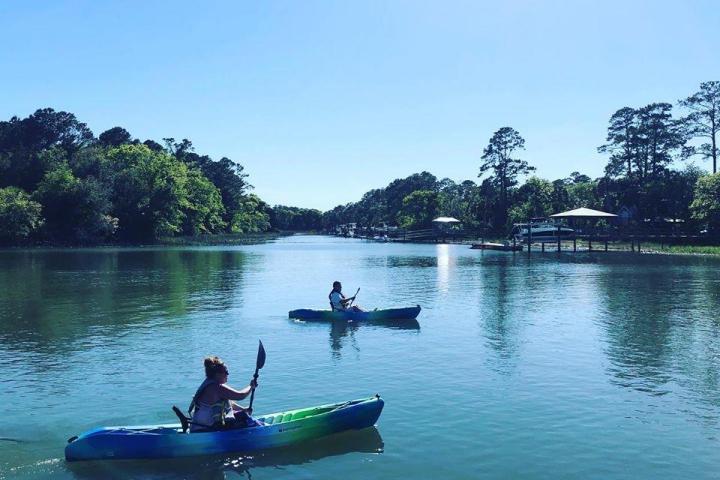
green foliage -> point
(418, 209)
(23, 140)
(204, 208)
(682, 249)
(58, 194)
(704, 120)
(380, 205)
(396, 192)
(228, 176)
(621, 143)
(533, 199)
(582, 194)
(498, 159)
(463, 201)
(295, 219)
(20, 216)
(149, 191)
(706, 205)
(560, 197)
(153, 145)
(114, 137)
(87, 162)
(679, 193)
(643, 142)
(115, 187)
(250, 216)
(75, 210)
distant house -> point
(626, 214)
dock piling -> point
(558, 239)
(529, 234)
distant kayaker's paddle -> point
(259, 363)
(353, 298)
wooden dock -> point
(600, 242)
(614, 242)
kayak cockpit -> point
(274, 419)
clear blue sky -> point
(322, 101)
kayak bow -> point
(279, 429)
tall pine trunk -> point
(713, 132)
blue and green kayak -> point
(408, 313)
(278, 430)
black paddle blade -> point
(260, 356)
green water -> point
(574, 366)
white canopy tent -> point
(446, 220)
(583, 213)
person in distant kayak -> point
(212, 407)
(338, 302)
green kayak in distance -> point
(408, 313)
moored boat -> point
(502, 247)
(407, 313)
(277, 430)
(540, 231)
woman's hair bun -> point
(212, 365)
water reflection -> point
(50, 299)
(445, 264)
(340, 333)
(411, 261)
(502, 316)
(366, 441)
(661, 327)
(343, 331)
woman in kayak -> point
(338, 302)
(212, 406)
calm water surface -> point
(533, 367)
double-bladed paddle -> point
(259, 363)
(353, 297)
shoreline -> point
(255, 238)
(653, 248)
(184, 241)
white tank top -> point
(204, 415)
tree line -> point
(649, 175)
(59, 184)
